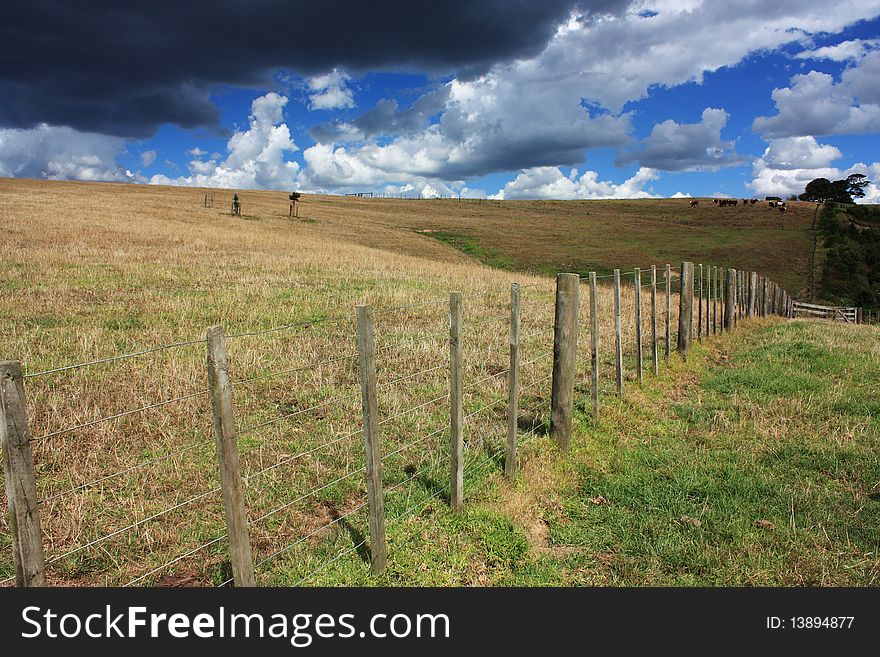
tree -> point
(822, 190)
(855, 184)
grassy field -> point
(755, 464)
(92, 271)
(545, 237)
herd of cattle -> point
(721, 202)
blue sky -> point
(637, 99)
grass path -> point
(756, 463)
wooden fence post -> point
(654, 319)
(700, 309)
(618, 344)
(372, 439)
(21, 485)
(686, 309)
(226, 436)
(763, 296)
(637, 283)
(753, 289)
(708, 321)
(715, 301)
(668, 281)
(456, 412)
(565, 333)
(730, 300)
(594, 342)
(513, 383)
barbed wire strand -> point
(111, 359)
(412, 376)
(287, 416)
(201, 443)
(299, 368)
(302, 539)
(134, 525)
(292, 325)
(175, 560)
(300, 455)
(334, 559)
(413, 408)
(307, 495)
(117, 416)
(413, 443)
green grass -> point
(474, 249)
(755, 463)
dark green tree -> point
(819, 190)
(822, 190)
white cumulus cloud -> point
(330, 91)
(61, 153)
(789, 163)
(255, 157)
(552, 183)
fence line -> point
(743, 296)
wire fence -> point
(128, 490)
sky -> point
(509, 99)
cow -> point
(694, 203)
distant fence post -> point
(637, 283)
(594, 342)
(226, 436)
(513, 383)
(686, 309)
(565, 333)
(618, 343)
(456, 412)
(654, 319)
(700, 309)
(21, 486)
(730, 300)
(668, 281)
(372, 439)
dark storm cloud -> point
(118, 68)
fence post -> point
(21, 485)
(763, 296)
(686, 309)
(708, 322)
(618, 344)
(654, 319)
(456, 413)
(668, 281)
(226, 436)
(565, 332)
(715, 296)
(513, 383)
(730, 300)
(594, 342)
(372, 439)
(637, 282)
(700, 309)
(753, 288)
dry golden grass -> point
(92, 271)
